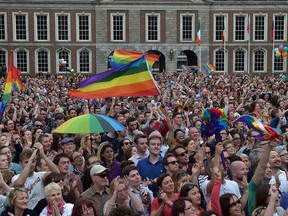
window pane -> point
(43, 61)
(240, 60)
(259, 61)
(22, 61)
(278, 64)
(64, 55)
(220, 60)
(187, 24)
(3, 59)
(152, 28)
(21, 27)
(240, 27)
(42, 27)
(83, 27)
(84, 61)
(118, 28)
(2, 27)
(63, 27)
(219, 27)
(259, 27)
(279, 27)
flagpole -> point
(273, 43)
(248, 59)
(224, 42)
(200, 51)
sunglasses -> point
(127, 143)
(182, 154)
(102, 175)
(172, 162)
(234, 203)
(38, 125)
(58, 180)
(139, 101)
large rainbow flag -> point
(209, 68)
(121, 57)
(12, 76)
(132, 79)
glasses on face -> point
(234, 203)
(172, 162)
(182, 154)
(237, 138)
(127, 143)
(101, 175)
(139, 101)
(284, 155)
(58, 180)
(191, 207)
(37, 125)
(87, 211)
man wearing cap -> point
(97, 193)
(68, 146)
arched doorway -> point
(186, 57)
(159, 65)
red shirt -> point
(167, 211)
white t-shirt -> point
(228, 187)
(67, 211)
(35, 187)
(283, 181)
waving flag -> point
(121, 57)
(198, 35)
(132, 79)
(209, 68)
(266, 132)
(17, 86)
(12, 76)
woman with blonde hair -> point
(18, 198)
(89, 144)
(56, 205)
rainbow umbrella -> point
(89, 124)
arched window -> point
(22, 60)
(42, 61)
(66, 56)
(240, 58)
(219, 60)
(84, 61)
(259, 57)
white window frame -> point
(245, 27)
(36, 59)
(159, 26)
(193, 27)
(15, 59)
(35, 26)
(284, 64)
(265, 60)
(14, 14)
(57, 60)
(77, 25)
(265, 26)
(56, 26)
(285, 26)
(226, 27)
(5, 23)
(90, 60)
(6, 56)
(245, 59)
(111, 26)
(225, 58)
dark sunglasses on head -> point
(234, 203)
(182, 154)
(58, 180)
(172, 162)
(102, 175)
(127, 143)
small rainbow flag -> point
(209, 68)
(17, 86)
(132, 79)
(121, 57)
(266, 132)
(96, 102)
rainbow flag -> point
(96, 102)
(185, 68)
(121, 57)
(266, 132)
(198, 34)
(12, 75)
(132, 79)
(209, 68)
(17, 86)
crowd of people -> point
(160, 164)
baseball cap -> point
(66, 140)
(97, 169)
